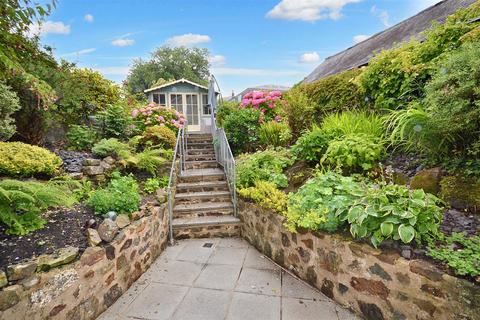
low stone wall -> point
(63, 287)
(375, 284)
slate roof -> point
(360, 54)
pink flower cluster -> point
(154, 114)
(259, 99)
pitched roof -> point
(175, 82)
(266, 87)
(360, 54)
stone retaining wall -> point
(83, 288)
(375, 284)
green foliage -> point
(274, 134)
(267, 196)
(300, 110)
(149, 160)
(9, 103)
(159, 136)
(224, 109)
(265, 165)
(24, 160)
(169, 63)
(241, 128)
(351, 123)
(311, 145)
(153, 184)
(113, 122)
(318, 203)
(336, 93)
(396, 77)
(80, 137)
(460, 253)
(352, 152)
(120, 195)
(22, 202)
(379, 211)
(111, 147)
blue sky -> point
(252, 42)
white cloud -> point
(227, 71)
(360, 38)
(419, 5)
(113, 71)
(44, 28)
(187, 40)
(123, 42)
(88, 18)
(309, 10)
(383, 15)
(309, 57)
(217, 60)
(79, 52)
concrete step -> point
(202, 186)
(201, 175)
(200, 157)
(206, 227)
(202, 197)
(205, 164)
(205, 151)
(199, 146)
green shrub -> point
(460, 253)
(24, 160)
(225, 109)
(274, 134)
(378, 211)
(153, 184)
(80, 137)
(336, 93)
(300, 111)
(352, 152)
(9, 104)
(265, 165)
(241, 128)
(267, 196)
(111, 147)
(22, 202)
(316, 204)
(120, 195)
(351, 123)
(311, 145)
(159, 136)
(113, 122)
(148, 160)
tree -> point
(170, 64)
(8, 105)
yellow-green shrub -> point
(21, 159)
(267, 196)
(159, 136)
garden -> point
(387, 154)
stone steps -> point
(201, 164)
(202, 197)
(200, 157)
(202, 146)
(203, 186)
(197, 152)
(203, 209)
(206, 227)
(201, 175)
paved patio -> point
(221, 279)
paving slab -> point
(221, 279)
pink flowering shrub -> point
(265, 102)
(156, 115)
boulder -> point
(122, 221)
(93, 170)
(91, 162)
(162, 195)
(76, 175)
(462, 193)
(3, 279)
(109, 160)
(61, 257)
(107, 167)
(107, 230)
(21, 270)
(93, 237)
(428, 180)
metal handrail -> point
(180, 150)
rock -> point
(92, 255)
(112, 295)
(93, 237)
(122, 221)
(61, 257)
(8, 298)
(462, 193)
(106, 167)
(371, 311)
(91, 162)
(162, 195)
(406, 253)
(138, 214)
(91, 223)
(426, 269)
(76, 175)
(30, 282)
(93, 170)
(112, 215)
(373, 287)
(99, 179)
(3, 279)
(109, 160)
(428, 180)
(107, 230)
(21, 271)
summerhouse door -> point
(192, 112)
